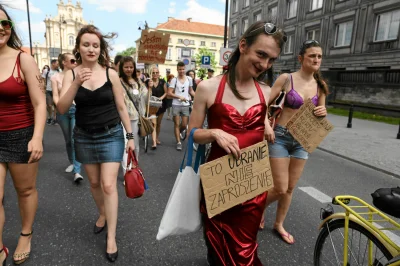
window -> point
(272, 13)
(292, 8)
(235, 5)
(180, 40)
(178, 53)
(343, 33)
(245, 24)
(257, 16)
(213, 44)
(71, 41)
(246, 3)
(289, 45)
(316, 4)
(387, 26)
(202, 43)
(234, 30)
(192, 52)
(192, 42)
(313, 35)
(169, 52)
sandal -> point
(20, 258)
(284, 236)
(5, 251)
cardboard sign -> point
(308, 129)
(153, 47)
(228, 182)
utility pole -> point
(29, 26)
(226, 23)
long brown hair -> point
(250, 36)
(122, 74)
(104, 58)
(14, 41)
(317, 75)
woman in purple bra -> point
(235, 104)
(287, 156)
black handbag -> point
(387, 200)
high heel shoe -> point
(20, 258)
(5, 251)
(98, 230)
(111, 257)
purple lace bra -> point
(294, 100)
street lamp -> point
(62, 21)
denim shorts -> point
(285, 145)
(100, 147)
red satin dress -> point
(231, 237)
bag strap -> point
(130, 97)
(188, 151)
(149, 90)
(131, 159)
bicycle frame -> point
(351, 215)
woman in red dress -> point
(235, 104)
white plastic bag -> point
(182, 213)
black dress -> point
(159, 92)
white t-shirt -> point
(48, 84)
(181, 89)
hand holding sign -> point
(228, 182)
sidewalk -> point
(370, 143)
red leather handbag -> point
(135, 184)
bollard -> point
(349, 125)
(398, 133)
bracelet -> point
(129, 136)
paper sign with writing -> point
(228, 182)
(153, 47)
(308, 129)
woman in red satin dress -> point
(235, 104)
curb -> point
(362, 163)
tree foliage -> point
(204, 52)
(128, 52)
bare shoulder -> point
(209, 85)
(27, 62)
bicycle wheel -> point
(146, 143)
(330, 243)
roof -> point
(192, 27)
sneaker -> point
(70, 168)
(179, 146)
(183, 134)
(78, 178)
(53, 122)
(48, 121)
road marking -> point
(395, 238)
(316, 194)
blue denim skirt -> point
(100, 147)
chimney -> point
(170, 18)
(189, 19)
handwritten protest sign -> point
(308, 129)
(228, 182)
(153, 47)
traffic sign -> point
(225, 54)
(206, 60)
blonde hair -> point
(152, 67)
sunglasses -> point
(271, 29)
(310, 42)
(73, 61)
(6, 24)
(156, 72)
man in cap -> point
(210, 73)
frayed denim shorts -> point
(99, 147)
(285, 145)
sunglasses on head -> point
(6, 24)
(271, 29)
(310, 42)
(73, 61)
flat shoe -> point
(284, 237)
(154, 147)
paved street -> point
(66, 215)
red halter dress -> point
(231, 237)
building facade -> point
(360, 41)
(186, 38)
(61, 31)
